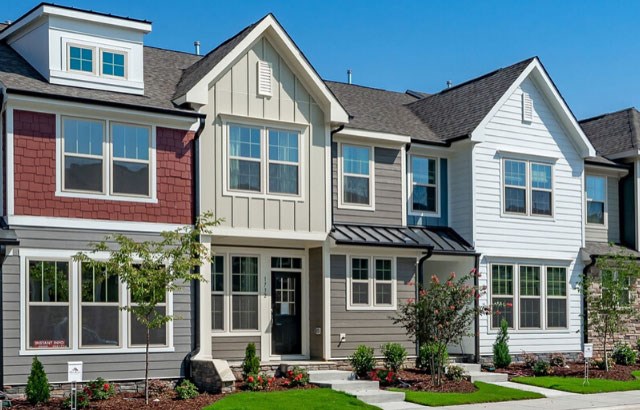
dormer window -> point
(113, 63)
(81, 59)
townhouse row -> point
(337, 200)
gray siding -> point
(232, 347)
(315, 303)
(370, 327)
(109, 366)
(611, 233)
(388, 187)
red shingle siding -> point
(35, 177)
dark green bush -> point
(251, 362)
(37, 389)
(501, 356)
(623, 354)
(423, 360)
(541, 368)
(362, 360)
(394, 356)
(186, 390)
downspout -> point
(3, 248)
(476, 305)
(585, 310)
(195, 285)
(419, 273)
(337, 130)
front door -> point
(285, 313)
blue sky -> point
(591, 49)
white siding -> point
(531, 239)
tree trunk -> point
(146, 367)
(606, 358)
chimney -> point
(197, 46)
(349, 72)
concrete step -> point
(324, 375)
(399, 405)
(379, 396)
(349, 386)
(488, 377)
(469, 367)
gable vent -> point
(527, 107)
(264, 78)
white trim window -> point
(99, 308)
(284, 160)
(424, 173)
(245, 153)
(118, 164)
(244, 293)
(528, 188)
(138, 331)
(81, 58)
(539, 302)
(113, 63)
(217, 293)
(356, 176)
(96, 60)
(371, 283)
(596, 188)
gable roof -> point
(614, 133)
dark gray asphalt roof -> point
(603, 248)
(615, 132)
(162, 71)
(440, 239)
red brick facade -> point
(35, 177)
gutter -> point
(333, 132)
(585, 311)
(476, 305)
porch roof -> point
(443, 240)
(603, 248)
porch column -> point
(204, 308)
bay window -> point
(596, 187)
(371, 283)
(424, 184)
(527, 188)
(244, 293)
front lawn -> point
(486, 393)
(575, 384)
(290, 400)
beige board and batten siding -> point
(610, 232)
(388, 190)
(111, 366)
(235, 93)
(368, 327)
(530, 240)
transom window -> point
(424, 183)
(356, 175)
(113, 63)
(528, 188)
(596, 187)
(126, 151)
(81, 59)
(249, 161)
(530, 305)
(371, 283)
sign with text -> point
(74, 372)
(588, 350)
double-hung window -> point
(424, 184)
(283, 162)
(530, 297)
(117, 163)
(502, 294)
(245, 152)
(100, 308)
(596, 187)
(371, 283)
(138, 331)
(356, 175)
(48, 306)
(556, 297)
(528, 188)
(244, 293)
(217, 293)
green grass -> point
(290, 400)
(486, 393)
(574, 384)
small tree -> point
(442, 315)
(37, 389)
(151, 269)
(501, 356)
(251, 362)
(608, 294)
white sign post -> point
(588, 354)
(74, 375)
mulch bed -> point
(420, 381)
(617, 372)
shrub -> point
(362, 360)
(601, 364)
(501, 356)
(83, 400)
(186, 390)
(99, 389)
(455, 372)
(297, 377)
(386, 377)
(260, 381)
(251, 363)
(394, 356)
(623, 354)
(541, 368)
(529, 360)
(557, 360)
(425, 353)
(37, 389)
(160, 388)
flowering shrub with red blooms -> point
(297, 377)
(260, 381)
(385, 377)
(99, 389)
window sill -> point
(495, 331)
(424, 214)
(262, 195)
(217, 333)
(357, 207)
(61, 352)
(83, 195)
(599, 227)
(371, 308)
(542, 218)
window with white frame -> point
(89, 317)
(248, 161)
(356, 175)
(371, 283)
(244, 293)
(137, 329)
(528, 188)
(126, 151)
(97, 61)
(424, 184)
(596, 187)
(113, 63)
(530, 305)
(81, 59)
(217, 293)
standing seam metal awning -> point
(440, 239)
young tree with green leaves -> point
(608, 293)
(151, 270)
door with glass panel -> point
(285, 306)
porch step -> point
(349, 386)
(469, 367)
(379, 396)
(316, 376)
(488, 377)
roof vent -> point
(349, 72)
(196, 44)
(264, 78)
(527, 107)
(449, 83)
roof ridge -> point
(368, 87)
(173, 51)
(599, 116)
